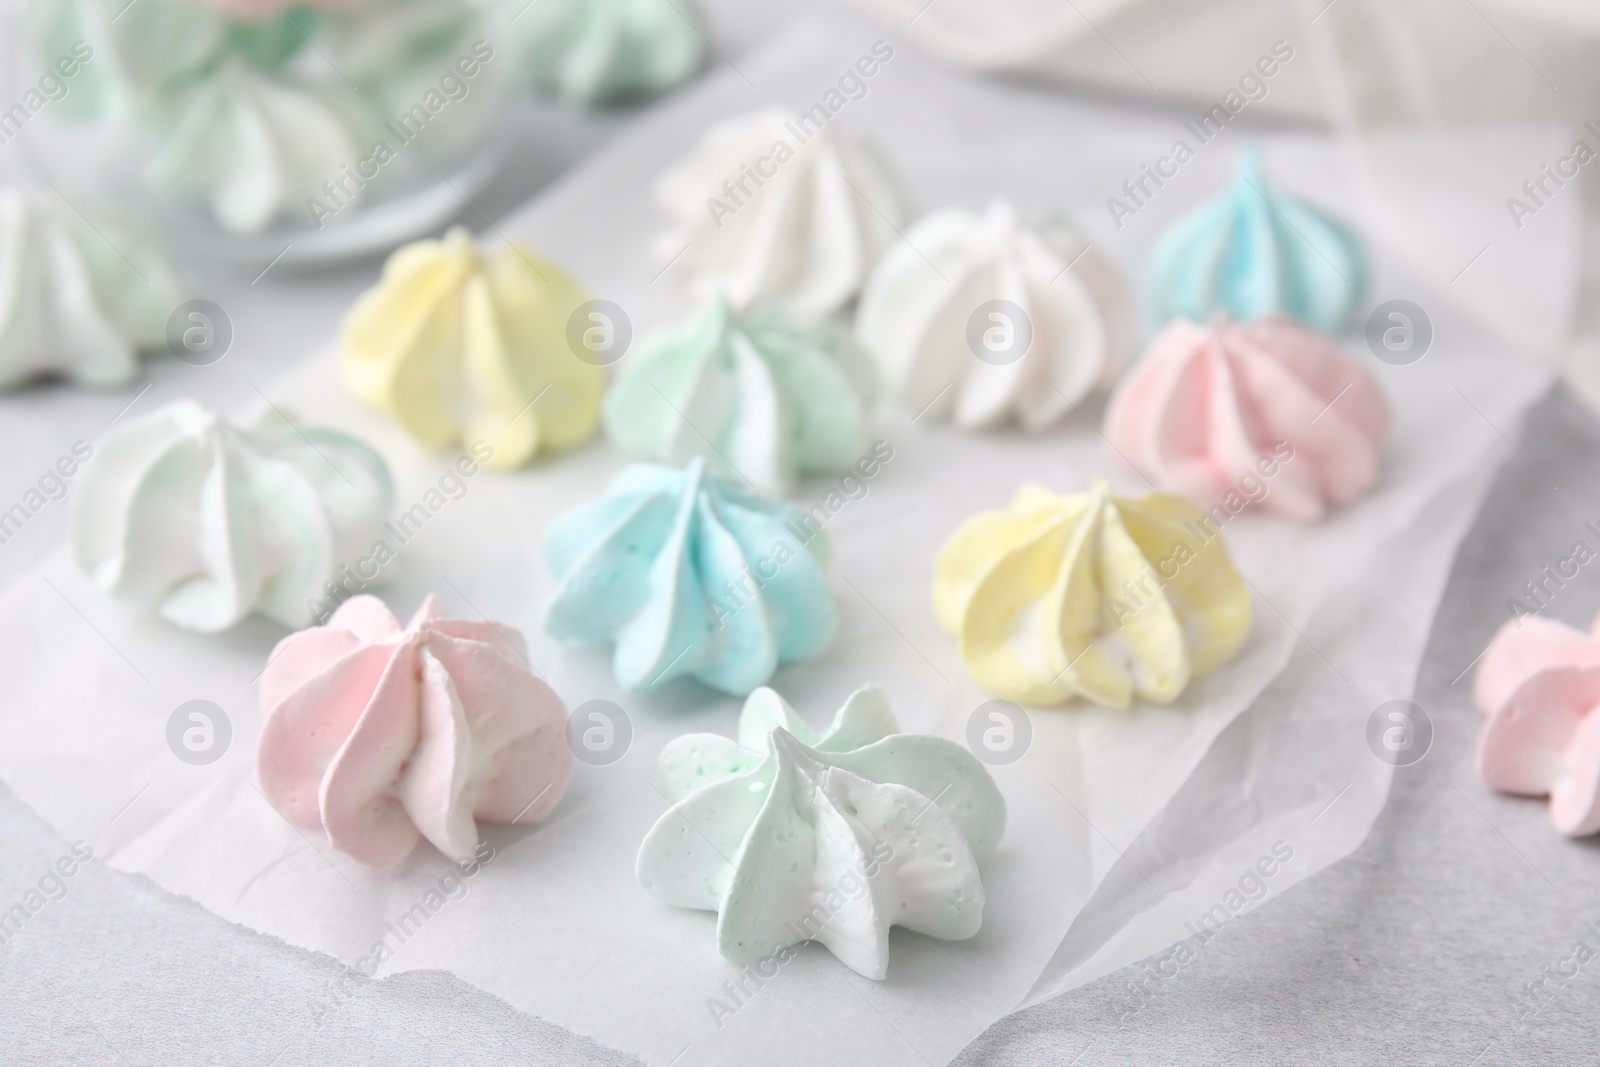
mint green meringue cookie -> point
(402, 53)
(257, 116)
(1257, 251)
(759, 395)
(832, 839)
(78, 298)
(135, 50)
(604, 51)
(689, 574)
(255, 148)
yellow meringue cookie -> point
(1091, 594)
(456, 344)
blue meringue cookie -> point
(689, 574)
(1257, 252)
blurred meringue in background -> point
(771, 206)
(237, 125)
(79, 298)
(592, 52)
(1256, 251)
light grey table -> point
(1410, 951)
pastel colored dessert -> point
(260, 112)
(1538, 686)
(460, 345)
(261, 10)
(979, 318)
(832, 839)
(253, 147)
(759, 395)
(1254, 252)
(689, 575)
(206, 522)
(1213, 411)
(78, 298)
(604, 51)
(382, 736)
(1091, 595)
(440, 54)
(772, 207)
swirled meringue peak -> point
(603, 51)
(380, 735)
(762, 394)
(791, 837)
(1209, 409)
(771, 207)
(208, 522)
(1092, 595)
(77, 298)
(461, 345)
(979, 318)
(690, 575)
(1539, 687)
(1258, 252)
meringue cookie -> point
(207, 522)
(459, 345)
(77, 298)
(832, 841)
(1092, 595)
(915, 315)
(602, 51)
(768, 206)
(380, 735)
(1257, 252)
(1539, 686)
(1208, 406)
(256, 148)
(398, 52)
(766, 396)
(134, 55)
(690, 575)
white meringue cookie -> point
(255, 148)
(917, 313)
(208, 522)
(833, 841)
(77, 298)
(769, 206)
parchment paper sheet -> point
(555, 923)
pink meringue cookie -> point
(1539, 685)
(380, 735)
(1208, 406)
